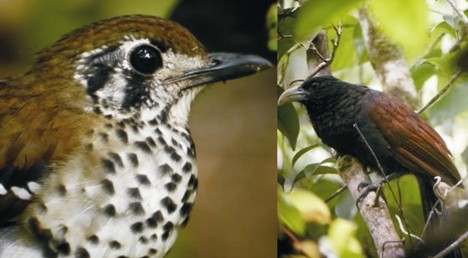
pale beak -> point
(293, 94)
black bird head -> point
(313, 90)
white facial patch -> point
(83, 64)
(110, 77)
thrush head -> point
(134, 62)
(95, 152)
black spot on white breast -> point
(136, 208)
(169, 204)
(187, 167)
(137, 227)
(115, 244)
(133, 159)
(81, 253)
(116, 158)
(122, 135)
(134, 192)
(93, 239)
(143, 180)
(143, 146)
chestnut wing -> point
(413, 143)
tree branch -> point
(377, 217)
(388, 61)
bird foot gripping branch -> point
(96, 158)
(368, 186)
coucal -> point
(96, 158)
(400, 139)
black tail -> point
(439, 231)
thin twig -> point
(441, 92)
(317, 70)
(452, 246)
(297, 80)
(327, 61)
(459, 11)
(321, 57)
(336, 193)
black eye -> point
(145, 59)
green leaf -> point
(289, 215)
(310, 169)
(444, 27)
(288, 121)
(310, 206)
(286, 27)
(345, 55)
(342, 237)
(303, 151)
(452, 21)
(324, 170)
(314, 169)
(406, 22)
(324, 188)
(299, 176)
(284, 45)
(451, 104)
(316, 13)
(421, 71)
(280, 179)
(318, 169)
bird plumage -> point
(401, 139)
(96, 158)
(358, 121)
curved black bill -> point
(293, 94)
(223, 67)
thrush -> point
(96, 157)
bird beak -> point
(293, 94)
(223, 67)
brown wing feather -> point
(39, 125)
(414, 144)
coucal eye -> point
(145, 59)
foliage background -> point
(431, 37)
(236, 152)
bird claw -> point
(365, 188)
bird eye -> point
(145, 59)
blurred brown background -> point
(233, 124)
